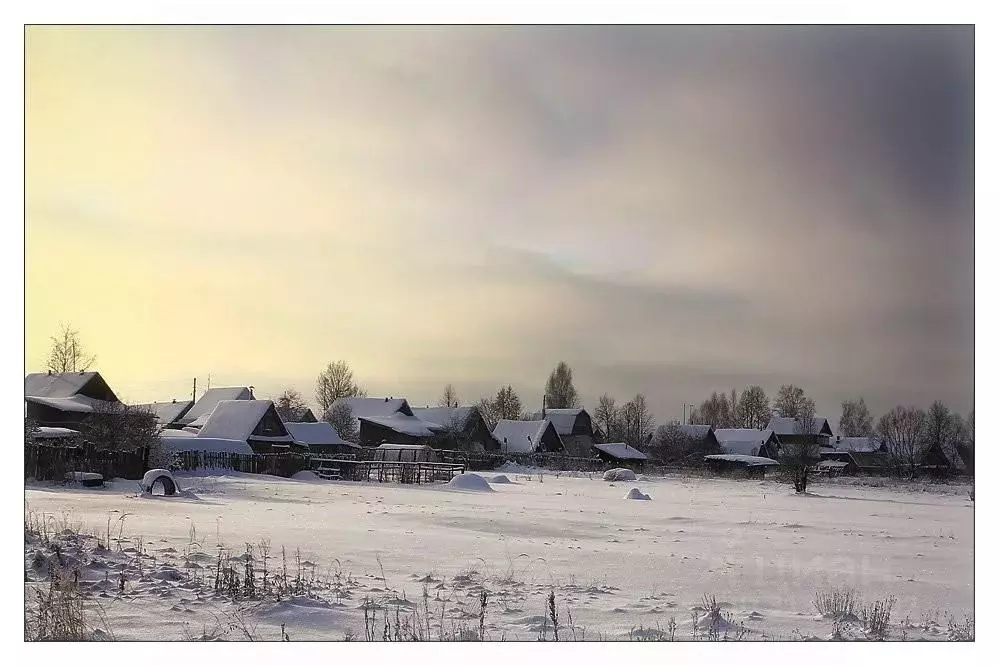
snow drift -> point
(500, 478)
(470, 481)
(619, 474)
(636, 494)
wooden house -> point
(320, 438)
(574, 428)
(527, 437)
(65, 399)
(255, 422)
(461, 428)
(747, 442)
(387, 420)
(621, 454)
(792, 430)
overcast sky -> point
(670, 210)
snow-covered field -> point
(621, 567)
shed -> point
(752, 466)
(320, 437)
(620, 453)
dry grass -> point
(837, 603)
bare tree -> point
(715, 412)
(30, 430)
(754, 408)
(903, 432)
(560, 392)
(799, 454)
(790, 401)
(341, 417)
(290, 406)
(113, 426)
(449, 398)
(67, 353)
(334, 382)
(637, 422)
(606, 417)
(734, 418)
(856, 420)
(485, 406)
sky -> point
(670, 210)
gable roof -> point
(237, 419)
(207, 402)
(167, 412)
(564, 419)
(742, 441)
(207, 444)
(749, 461)
(376, 406)
(621, 451)
(403, 424)
(695, 431)
(444, 416)
(63, 384)
(76, 403)
(783, 425)
(321, 433)
(521, 436)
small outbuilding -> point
(751, 466)
(527, 437)
(620, 453)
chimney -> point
(544, 406)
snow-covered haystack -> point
(500, 478)
(636, 494)
(470, 481)
(619, 474)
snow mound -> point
(500, 478)
(636, 494)
(470, 481)
(620, 474)
(304, 475)
(164, 476)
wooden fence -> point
(47, 462)
(476, 461)
(278, 464)
(387, 471)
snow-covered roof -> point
(45, 432)
(695, 431)
(563, 419)
(167, 412)
(742, 448)
(404, 447)
(321, 433)
(751, 461)
(520, 436)
(621, 451)
(833, 464)
(237, 419)
(403, 424)
(445, 416)
(206, 403)
(56, 384)
(76, 403)
(860, 444)
(793, 426)
(375, 406)
(207, 444)
(173, 432)
(742, 435)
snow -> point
(748, 460)
(636, 494)
(206, 444)
(316, 433)
(207, 402)
(445, 416)
(619, 474)
(760, 549)
(621, 451)
(83, 476)
(519, 436)
(57, 384)
(858, 444)
(500, 478)
(782, 425)
(470, 481)
(153, 475)
(76, 403)
(403, 424)
(564, 420)
(747, 448)
(167, 412)
(237, 419)
(173, 432)
(45, 432)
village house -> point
(747, 442)
(575, 428)
(791, 430)
(701, 437)
(320, 438)
(65, 399)
(307, 417)
(255, 422)
(460, 428)
(527, 437)
(386, 420)
(619, 453)
(168, 414)
(198, 413)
